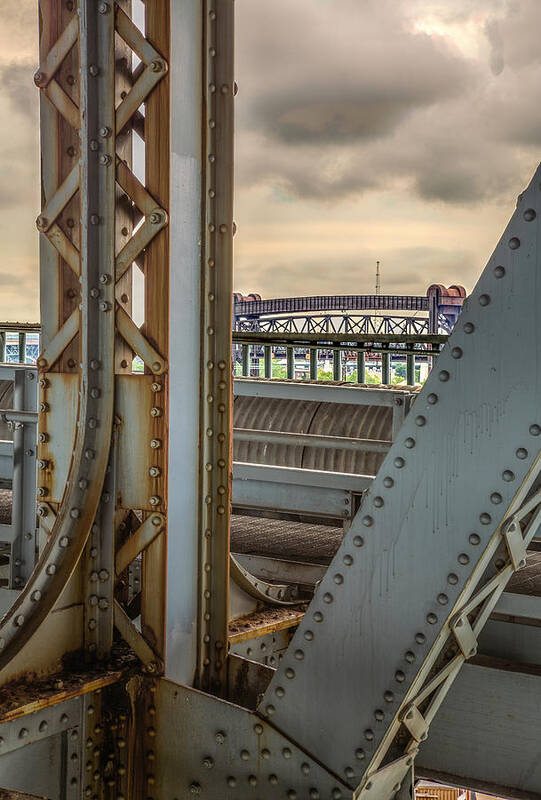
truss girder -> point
(430, 548)
(86, 340)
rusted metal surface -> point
(134, 402)
(59, 400)
(260, 623)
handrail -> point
(311, 440)
(387, 347)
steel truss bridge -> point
(343, 314)
(359, 606)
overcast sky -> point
(398, 130)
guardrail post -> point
(313, 363)
(290, 354)
(245, 360)
(23, 511)
(410, 369)
(267, 354)
(385, 368)
(337, 365)
(22, 347)
(361, 366)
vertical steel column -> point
(267, 351)
(245, 360)
(337, 365)
(361, 366)
(410, 369)
(22, 347)
(2, 347)
(157, 294)
(201, 74)
(98, 206)
(23, 512)
(313, 363)
(385, 368)
(290, 361)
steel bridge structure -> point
(255, 588)
(363, 314)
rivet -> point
(63, 541)
(273, 779)
(220, 737)
(534, 430)
(379, 715)
(378, 501)
(314, 794)
(43, 726)
(305, 768)
(336, 793)
(468, 327)
(410, 442)
(499, 272)
(368, 521)
(521, 453)
(399, 462)
(457, 352)
(432, 399)
(529, 214)
(496, 498)
(318, 616)
(270, 709)
(514, 243)
(463, 559)
(452, 579)
(35, 596)
(265, 753)
(409, 656)
(75, 513)
(484, 518)
(474, 539)
(290, 673)
(286, 752)
(292, 794)
(444, 376)
(359, 754)
(369, 734)
(388, 482)
(327, 597)
(338, 579)
(508, 476)
(443, 599)
(431, 618)
(420, 638)
(420, 421)
(50, 569)
(348, 560)
(23, 733)
(252, 780)
(358, 541)
(280, 691)
(258, 728)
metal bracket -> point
(415, 722)
(464, 635)
(515, 544)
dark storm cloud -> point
(339, 98)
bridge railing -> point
(19, 342)
(257, 354)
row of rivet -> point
(485, 518)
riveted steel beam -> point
(456, 492)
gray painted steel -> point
(442, 482)
(488, 732)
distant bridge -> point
(440, 307)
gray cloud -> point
(343, 98)
(16, 83)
